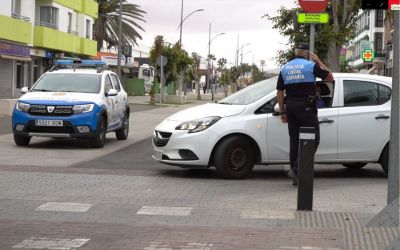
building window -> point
(379, 18)
(87, 28)
(16, 7)
(69, 21)
(378, 43)
(49, 17)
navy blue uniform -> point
(297, 79)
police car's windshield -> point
(68, 82)
(251, 93)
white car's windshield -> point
(83, 83)
(251, 93)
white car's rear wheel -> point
(234, 157)
(122, 133)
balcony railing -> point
(73, 32)
(18, 16)
(46, 24)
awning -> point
(18, 58)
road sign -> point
(161, 61)
(312, 18)
(313, 6)
(368, 55)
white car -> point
(78, 100)
(244, 129)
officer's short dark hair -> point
(303, 46)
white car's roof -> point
(363, 76)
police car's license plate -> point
(158, 154)
(49, 123)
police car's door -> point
(110, 103)
(119, 100)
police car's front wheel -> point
(22, 140)
(99, 140)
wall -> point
(5, 7)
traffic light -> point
(375, 4)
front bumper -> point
(180, 148)
(69, 128)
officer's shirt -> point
(298, 77)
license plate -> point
(158, 154)
(49, 123)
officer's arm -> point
(318, 61)
(281, 101)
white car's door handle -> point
(382, 117)
(326, 121)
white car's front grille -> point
(160, 139)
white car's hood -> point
(59, 96)
(206, 110)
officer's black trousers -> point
(300, 114)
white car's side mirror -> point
(24, 90)
(112, 92)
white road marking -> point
(65, 207)
(168, 211)
(48, 243)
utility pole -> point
(119, 39)
(208, 58)
(394, 150)
(180, 32)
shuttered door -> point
(6, 73)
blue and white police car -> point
(73, 100)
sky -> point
(235, 18)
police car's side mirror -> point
(276, 110)
(24, 90)
(112, 92)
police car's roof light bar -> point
(75, 64)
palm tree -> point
(106, 25)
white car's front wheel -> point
(234, 157)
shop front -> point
(14, 59)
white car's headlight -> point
(79, 109)
(24, 107)
(199, 124)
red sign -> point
(313, 6)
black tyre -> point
(22, 140)
(357, 165)
(99, 140)
(234, 158)
(123, 132)
(384, 161)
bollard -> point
(306, 168)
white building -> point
(369, 35)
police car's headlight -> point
(199, 124)
(24, 107)
(79, 109)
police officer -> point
(297, 80)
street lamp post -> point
(183, 20)
(119, 39)
(208, 59)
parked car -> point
(245, 129)
(80, 100)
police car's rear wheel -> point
(99, 140)
(22, 140)
(234, 158)
(122, 133)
